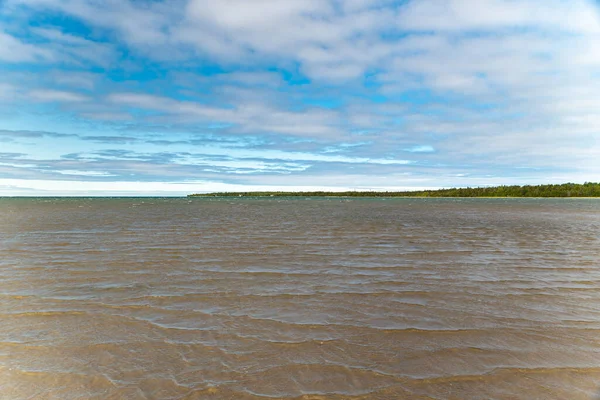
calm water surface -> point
(299, 298)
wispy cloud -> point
(14, 50)
(420, 149)
(56, 96)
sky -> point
(148, 97)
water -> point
(299, 298)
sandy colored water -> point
(299, 298)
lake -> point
(316, 298)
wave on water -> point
(294, 299)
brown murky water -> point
(299, 298)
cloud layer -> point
(365, 94)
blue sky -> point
(122, 97)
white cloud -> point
(249, 118)
(139, 23)
(58, 36)
(420, 149)
(268, 79)
(7, 91)
(82, 173)
(71, 49)
(108, 116)
(47, 95)
(75, 79)
(15, 50)
(461, 15)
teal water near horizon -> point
(305, 298)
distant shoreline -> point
(566, 190)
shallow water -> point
(299, 298)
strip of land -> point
(587, 189)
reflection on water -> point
(299, 298)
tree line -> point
(588, 189)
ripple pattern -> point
(311, 298)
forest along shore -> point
(587, 189)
